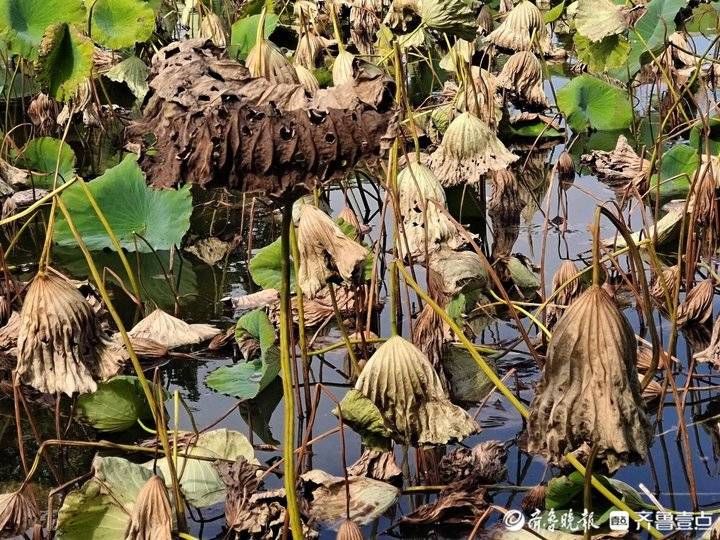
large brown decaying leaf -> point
(18, 512)
(698, 305)
(61, 347)
(326, 253)
(378, 465)
(522, 74)
(620, 168)
(454, 509)
(170, 331)
(589, 391)
(566, 276)
(523, 29)
(485, 461)
(241, 482)
(152, 517)
(214, 123)
(365, 21)
(403, 385)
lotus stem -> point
(587, 488)
(343, 331)
(302, 338)
(37, 204)
(287, 378)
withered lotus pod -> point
(523, 29)
(325, 251)
(349, 530)
(522, 75)
(61, 346)
(589, 391)
(403, 385)
(152, 514)
(565, 168)
(698, 305)
(18, 512)
(468, 150)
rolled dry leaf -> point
(652, 392)
(698, 305)
(485, 461)
(349, 530)
(266, 60)
(403, 385)
(42, 112)
(620, 168)
(9, 333)
(18, 512)
(61, 346)
(152, 514)
(326, 253)
(644, 358)
(211, 27)
(343, 68)
(589, 391)
(665, 286)
(457, 270)
(522, 74)
(170, 331)
(307, 80)
(430, 333)
(468, 150)
(241, 482)
(378, 465)
(5, 310)
(310, 46)
(523, 29)
(350, 217)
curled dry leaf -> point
(43, 112)
(61, 345)
(652, 392)
(152, 517)
(484, 21)
(369, 499)
(698, 305)
(620, 168)
(522, 74)
(170, 331)
(485, 461)
(403, 385)
(256, 300)
(211, 27)
(18, 512)
(523, 29)
(241, 483)
(9, 333)
(457, 270)
(589, 391)
(5, 310)
(378, 465)
(565, 168)
(365, 17)
(343, 68)
(325, 252)
(566, 288)
(458, 508)
(430, 332)
(644, 358)
(468, 150)
(712, 352)
(307, 80)
(665, 286)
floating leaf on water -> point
(457, 508)
(65, 60)
(522, 74)
(402, 384)
(18, 512)
(619, 167)
(523, 29)
(131, 208)
(677, 169)
(589, 391)
(241, 482)
(61, 347)
(134, 73)
(42, 155)
(468, 150)
(199, 480)
(698, 305)
(597, 19)
(171, 331)
(152, 517)
(591, 103)
(454, 17)
(116, 405)
(369, 499)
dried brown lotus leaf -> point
(170, 331)
(665, 286)
(652, 391)
(152, 514)
(210, 250)
(523, 29)
(458, 270)
(61, 347)
(712, 352)
(484, 20)
(343, 68)
(309, 47)
(455, 508)
(43, 112)
(18, 512)
(565, 168)
(485, 460)
(307, 80)
(468, 150)
(522, 74)
(430, 333)
(644, 359)
(378, 465)
(211, 27)
(620, 167)
(698, 305)
(349, 530)
(426, 227)
(241, 482)
(266, 60)
(365, 17)
(402, 383)
(9, 332)
(589, 391)
(325, 251)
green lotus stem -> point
(525, 312)
(287, 379)
(505, 391)
(341, 344)
(37, 204)
(147, 390)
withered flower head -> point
(349, 530)
(522, 74)
(468, 150)
(266, 60)
(522, 30)
(18, 512)
(152, 515)
(325, 251)
(61, 347)
(698, 305)
(589, 391)
(403, 385)
(565, 168)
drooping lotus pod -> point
(426, 227)
(61, 347)
(522, 30)
(325, 251)
(403, 385)
(522, 75)
(152, 514)
(589, 391)
(468, 150)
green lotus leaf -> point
(23, 22)
(134, 73)
(676, 172)
(244, 32)
(199, 481)
(588, 102)
(118, 24)
(265, 268)
(363, 416)
(116, 405)
(133, 209)
(609, 53)
(41, 155)
(65, 60)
